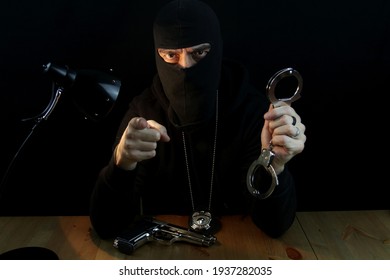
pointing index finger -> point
(139, 123)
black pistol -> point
(150, 229)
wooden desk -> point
(348, 235)
(314, 235)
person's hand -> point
(285, 131)
(139, 142)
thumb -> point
(266, 135)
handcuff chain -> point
(270, 147)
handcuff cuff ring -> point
(276, 78)
(264, 160)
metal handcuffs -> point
(267, 155)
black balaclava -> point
(191, 92)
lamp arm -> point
(38, 119)
(49, 109)
(55, 96)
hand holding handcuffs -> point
(267, 155)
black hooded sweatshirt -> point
(161, 185)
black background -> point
(341, 48)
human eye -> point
(199, 54)
(169, 56)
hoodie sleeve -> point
(114, 203)
(275, 214)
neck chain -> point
(201, 220)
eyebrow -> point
(194, 48)
(201, 47)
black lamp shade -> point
(93, 92)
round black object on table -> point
(29, 253)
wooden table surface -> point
(314, 235)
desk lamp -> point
(94, 93)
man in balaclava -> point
(191, 92)
(186, 143)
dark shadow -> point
(29, 253)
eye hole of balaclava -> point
(191, 92)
